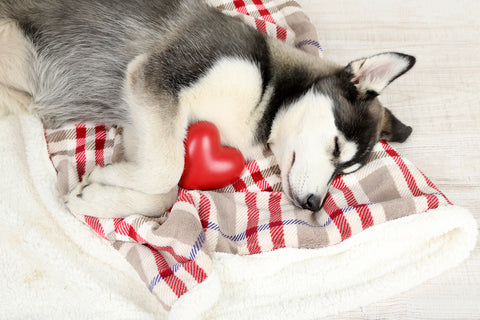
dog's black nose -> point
(313, 203)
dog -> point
(154, 67)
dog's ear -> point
(371, 75)
(393, 129)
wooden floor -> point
(440, 99)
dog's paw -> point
(128, 175)
(85, 199)
(94, 199)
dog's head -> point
(331, 128)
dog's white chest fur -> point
(228, 95)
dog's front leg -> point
(103, 201)
(157, 162)
(158, 128)
(146, 183)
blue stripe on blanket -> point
(243, 235)
(193, 255)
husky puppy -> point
(156, 66)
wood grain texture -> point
(440, 99)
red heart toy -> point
(208, 164)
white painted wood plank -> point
(440, 99)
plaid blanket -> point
(172, 253)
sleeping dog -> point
(154, 67)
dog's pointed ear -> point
(371, 75)
(392, 129)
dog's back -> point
(81, 49)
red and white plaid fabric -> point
(172, 253)
(281, 19)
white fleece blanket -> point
(55, 267)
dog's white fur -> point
(305, 134)
(217, 98)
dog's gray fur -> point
(83, 49)
(126, 62)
